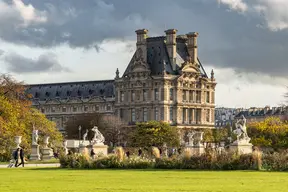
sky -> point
(245, 42)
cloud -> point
(1, 52)
(238, 5)
(44, 63)
(227, 39)
(274, 12)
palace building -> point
(164, 81)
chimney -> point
(192, 46)
(171, 46)
(141, 42)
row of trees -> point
(17, 117)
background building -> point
(164, 81)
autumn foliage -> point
(17, 117)
(272, 132)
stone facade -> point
(164, 81)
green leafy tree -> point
(154, 133)
(17, 117)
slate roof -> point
(83, 89)
(158, 58)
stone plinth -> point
(196, 149)
(100, 149)
(35, 155)
(82, 148)
(241, 147)
(46, 153)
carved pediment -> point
(53, 101)
(74, 100)
(96, 99)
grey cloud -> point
(44, 63)
(1, 52)
(227, 38)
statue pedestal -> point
(82, 148)
(241, 147)
(46, 153)
(196, 149)
(35, 155)
(100, 149)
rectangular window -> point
(53, 109)
(145, 95)
(184, 95)
(132, 96)
(97, 108)
(171, 94)
(42, 110)
(74, 109)
(156, 94)
(191, 96)
(121, 113)
(122, 96)
(108, 107)
(64, 109)
(145, 114)
(171, 113)
(207, 97)
(213, 97)
(85, 108)
(198, 96)
(207, 115)
(133, 115)
(183, 115)
(156, 114)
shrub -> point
(275, 161)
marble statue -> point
(98, 137)
(85, 135)
(191, 138)
(241, 130)
(35, 137)
(46, 141)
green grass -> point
(60, 180)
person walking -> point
(16, 156)
(21, 154)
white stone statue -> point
(18, 140)
(85, 135)
(46, 141)
(35, 137)
(65, 147)
(199, 138)
(191, 138)
(241, 130)
(98, 137)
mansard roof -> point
(158, 58)
(82, 89)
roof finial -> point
(212, 75)
(117, 74)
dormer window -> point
(57, 93)
(47, 94)
(68, 93)
(79, 93)
(36, 95)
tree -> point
(86, 121)
(17, 117)
(110, 126)
(272, 132)
(154, 133)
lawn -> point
(60, 180)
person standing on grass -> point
(21, 154)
